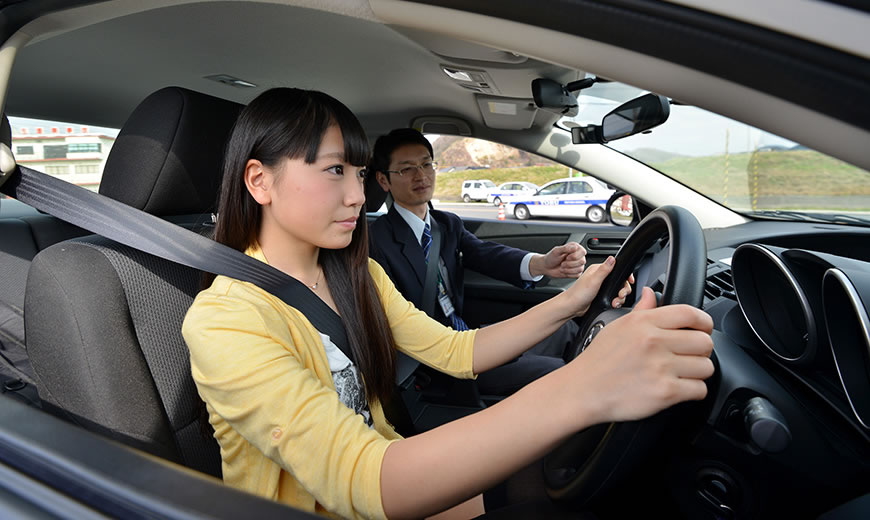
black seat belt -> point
(406, 365)
(145, 232)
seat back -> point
(102, 320)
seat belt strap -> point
(406, 365)
(430, 284)
(135, 228)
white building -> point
(70, 153)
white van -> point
(477, 189)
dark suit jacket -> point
(394, 246)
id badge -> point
(446, 304)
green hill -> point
(778, 173)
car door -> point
(547, 201)
(578, 199)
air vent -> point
(720, 284)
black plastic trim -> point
(784, 66)
(114, 479)
(23, 497)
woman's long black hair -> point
(290, 123)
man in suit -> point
(401, 242)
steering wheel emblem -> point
(596, 328)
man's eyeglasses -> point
(407, 171)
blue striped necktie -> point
(426, 242)
(458, 323)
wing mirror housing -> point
(632, 117)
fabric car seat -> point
(103, 320)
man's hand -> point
(565, 261)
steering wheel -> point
(594, 460)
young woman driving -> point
(300, 421)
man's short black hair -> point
(387, 144)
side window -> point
(71, 152)
(464, 163)
(581, 187)
(557, 188)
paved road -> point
(488, 211)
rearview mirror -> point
(630, 118)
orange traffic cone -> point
(501, 211)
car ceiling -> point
(93, 64)
(386, 75)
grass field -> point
(815, 180)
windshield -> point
(746, 169)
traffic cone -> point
(501, 211)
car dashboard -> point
(789, 424)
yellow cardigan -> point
(284, 434)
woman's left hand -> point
(584, 290)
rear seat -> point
(166, 161)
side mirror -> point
(630, 118)
(620, 209)
(552, 96)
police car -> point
(573, 197)
(510, 190)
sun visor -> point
(507, 113)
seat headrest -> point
(167, 158)
(375, 195)
(5, 132)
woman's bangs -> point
(306, 118)
(356, 144)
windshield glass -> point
(746, 169)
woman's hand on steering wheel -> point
(646, 361)
(584, 290)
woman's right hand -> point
(645, 361)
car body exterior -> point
(476, 189)
(509, 190)
(571, 197)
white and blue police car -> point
(574, 197)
